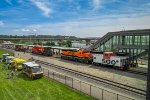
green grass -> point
(23, 88)
(4, 51)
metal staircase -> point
(101, 41)
(141, 54)
(130, 41)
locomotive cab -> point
(107, 55)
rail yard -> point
(115, 73)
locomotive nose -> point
(90, 55)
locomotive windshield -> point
(121, 54)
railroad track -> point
(95, 78)
(129, 71)
(137, 72)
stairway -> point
(145, 52)
(101, 41)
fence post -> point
(65, 80)
(48, 73)
(80, 86)
(72, 82)
(102, 94)
(90, 90)
(43, 70)
(53, 75)
(117, 96)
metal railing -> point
(89, 89)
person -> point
(24, 50)
(11, 74)
(32, 59)
(7, 76)
(16, 74)
(4, 66)
(9, 65)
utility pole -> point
(148, 75)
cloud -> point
(88, 27)
(9, 2)
(44, 6)
(34, 30)
(93, 27)
(1, 23)
(25, 30)
(148, 4)
(96, 3)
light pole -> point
(34, 34)
(148, 75)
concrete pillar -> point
(123, 40)
(88, 42)
(1, 41)
(148, 78)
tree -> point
(48, 43)
(34, 43)
(52, 43)
(39, 43)
(59, 43)
(69, 43)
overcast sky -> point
(81, 18)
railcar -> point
(8, 45)
(80, 55)
(43, 50)
(20, 47)
(29, 48)
(117, 60)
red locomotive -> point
(43, 50)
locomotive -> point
(43, 50)
(117, 60)
(77, 55)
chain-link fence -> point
(89, 89)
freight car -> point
(77, 55)
(43, 50)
